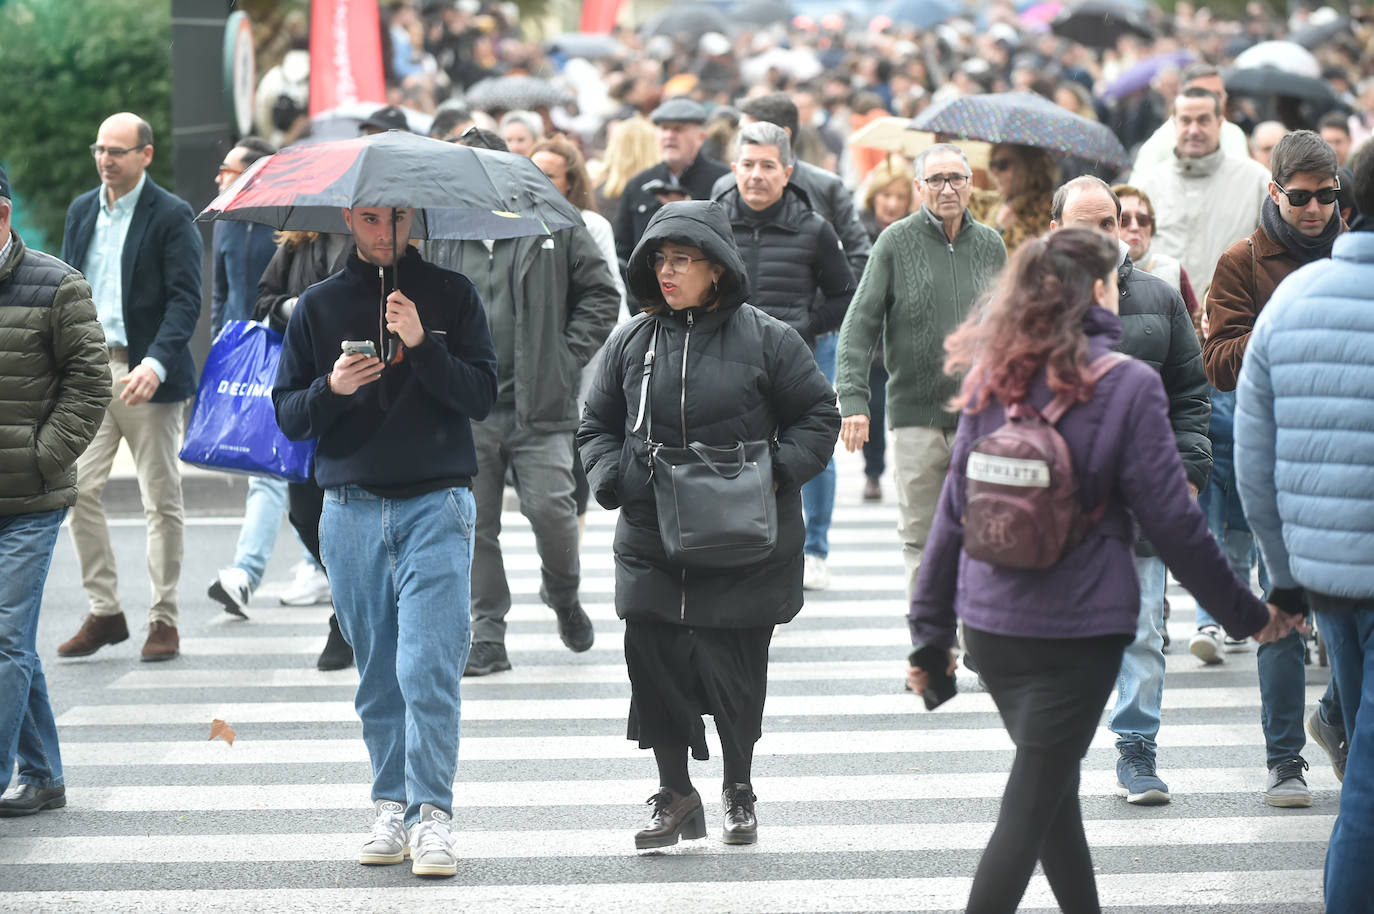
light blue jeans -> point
(262, 514)
(1140, 684)
(1236, 542)
(28, 733)
(818, 494)
(1349, 634)
(400, 572)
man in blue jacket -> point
(137, 247)
(1305, 468)
(396, 460)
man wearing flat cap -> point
(684, 169)
(384, 119)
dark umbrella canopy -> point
(1025, 118)
(688, 20)
(762, 12)
(457, 191)
(1266, 81)
(591, 45)
(1100, 23)
(513, 93)
(1314, 36)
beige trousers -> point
(154, 432)
(920, 460)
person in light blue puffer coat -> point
(1305, 468)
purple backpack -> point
(1021, 495)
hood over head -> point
(703, 224)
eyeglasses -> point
(939, 181)
(1144, 220)
(114, 152)
(1326, 196)
(1000, 164)
(677, 263)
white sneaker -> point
(431, 844)
(815, 573)
(309, 588)
(231, 589)
(1205, 645)
(387, 843)
(1235, 645)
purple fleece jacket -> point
(1124, 451)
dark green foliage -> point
(69, 65)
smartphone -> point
(359, 347)
(940, 684)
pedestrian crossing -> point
(866, 801)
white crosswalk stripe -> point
(866, 802)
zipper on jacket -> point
(684, 595)
(953, 271)
(686, 343)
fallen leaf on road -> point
(220, 730)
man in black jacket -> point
(1158, 331)
(137, 247)
(680, 137)
(396, 460)
(776, 232)
(56, 384)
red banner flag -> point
(599, 15)
(345, 54)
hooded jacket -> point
(775, 244)
(722, 376)
(1123, 453)
(54, 379)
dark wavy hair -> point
(1032, 318)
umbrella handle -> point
(390, 341)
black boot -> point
(741, 825)
(337, 653)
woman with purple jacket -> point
(1048, 642)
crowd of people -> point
(744, 274)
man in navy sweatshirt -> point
(396, 460)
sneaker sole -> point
(434, 869)
(1148, 798)
(221, 596)
(1298, 802)
(1235, 647)
(304, 601)
(1206, 651)
(383, 859)
(498, 667)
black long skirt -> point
(678, 673)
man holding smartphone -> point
(396, 460)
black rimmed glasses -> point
(114, 152)
(955, 181)
(677, 263)
(1300, 198)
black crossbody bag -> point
(716, 505)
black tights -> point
(672, 765)
(1040, 820)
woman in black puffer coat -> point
(696, 641)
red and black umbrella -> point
(457, 191)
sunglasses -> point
(1326, 196)
(1144, 220)
(1000, 164)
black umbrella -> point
(762, 12)
(688, 20)
(1314, 36)
(1266, 81)
(591, 45)
(1100, 23)
(514, 93)
(1027, 119)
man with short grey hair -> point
(1264, 138)
(798, 273)
(1299, 224)
(922, 278)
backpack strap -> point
(1097, 370)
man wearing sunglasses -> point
(1299, 223)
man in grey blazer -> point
(137, 247)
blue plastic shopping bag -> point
(233, 425)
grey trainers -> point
(1137, 781)
(1331, 739)
(387, 843)
(431, 844)
(485, 658)
(1287, 787)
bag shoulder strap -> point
(644, 416)
(1097, 370)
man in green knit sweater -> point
(920, 283)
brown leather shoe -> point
(163, 642)
(741, 826)
(675, 816)
(95, 633)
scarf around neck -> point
(1305, 249)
